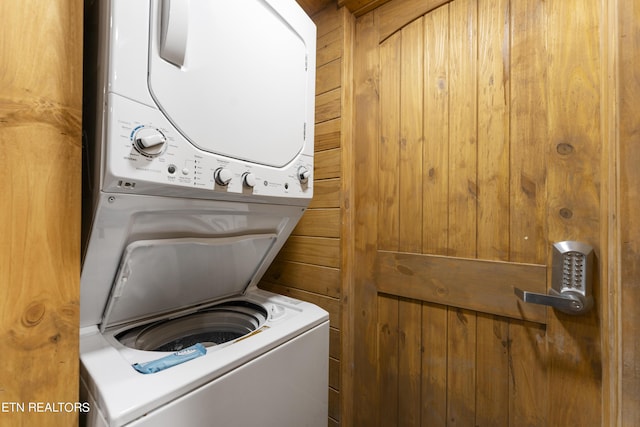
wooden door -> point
(478, 144)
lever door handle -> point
(571, 279)
(566, 302)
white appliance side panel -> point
(286, 387)
(242, 91)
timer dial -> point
(303, 174)
(149, 141)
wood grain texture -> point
(328, 76)
(327, 135)
(436, 133)
(40, 146)
(629, 191)
(326, 194)
(360, 7)
(573, 199)
(493, 131)
(329, 46)
(389, 151)
(478, 285)
(366, 137)
(461, 367)
(347, 206)
(312, 250)
(334, 374)
(411, 138)
(529, 376)
(409, 362)
(312, 278)
(328, 106)
(319, 223)
(328, 164)
(388, 363)
(397, 14)
(314, 6)
(492, 371)
(528, 129)
(435, 335)
(463, 151)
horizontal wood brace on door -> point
(479, 285)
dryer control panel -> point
(146, 154)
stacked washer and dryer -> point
(198, 159)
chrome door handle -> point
(571, 279)
(566, 302)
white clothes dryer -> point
(198, 167)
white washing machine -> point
(199, 157)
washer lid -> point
(233, 77)
(158, 276)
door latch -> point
(571, 279)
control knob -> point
(149, 141)
(223, 176)
(303, 174)
(249, 179)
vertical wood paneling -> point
(347, 204)
(528, 127)
(493, 130)
(529, 402)
(411, 140)
(410, 359)
(388, 159)
(463, 185)
(492, 378)
(528, 380)
(436, 133)
(388, 363)
(434, 365)
(629, 189)
(573, 198)
(461, 367)
(366, 105)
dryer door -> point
(232, 76)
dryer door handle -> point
(174, 30)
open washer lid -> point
(165, 275)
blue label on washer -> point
(174, 359)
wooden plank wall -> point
(629, 226)
(310, 265)
(40, 146)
